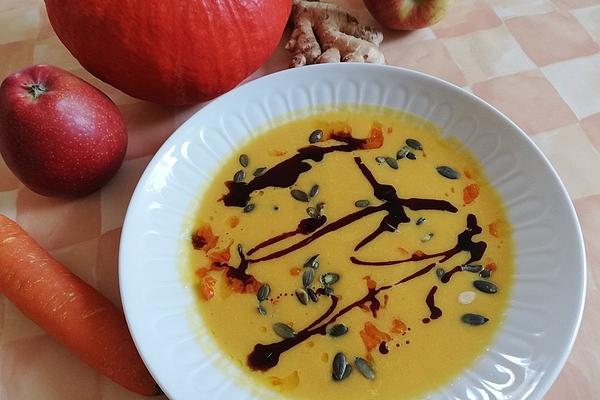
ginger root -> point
(325, 33)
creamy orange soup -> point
(358, 253)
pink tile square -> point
(15, 56)
(528, 99)
(591, 127)
(588, 212)
(107, 267)
(56, 223)
(573, 4)
(466, 16)
(45, 28)
(429, 56)
(148, 126)
(552, 37)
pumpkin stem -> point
(36, 89)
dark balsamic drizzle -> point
(434, 311)
(305, 227)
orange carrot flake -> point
(371, 336)
(204, 238)
(277, 153)
(403, 250)
(418, 254)
(493, 229)
(468, 174)
(491, 266)
(295, 271)
(371, 284)
(398, 326)
(470, 193)
(207, 287)
(201, 272)
(233, 221)
(220, 256)
(375, 139)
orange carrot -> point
(69, 309)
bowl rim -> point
(550, 374)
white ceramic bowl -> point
(547, 301)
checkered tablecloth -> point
(538, 61)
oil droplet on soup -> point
(383, 223)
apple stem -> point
(36, 89)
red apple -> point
(58, 134)
(407, 14)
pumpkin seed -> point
(328, 290)
(338, 330)
(263, 292)
(427, 237)
(362, 203)
(364, 368)
(402, 152)
(312, 262)
(391, 162)
(474, 319)
(261, 310)
(411, 156)
(239, 176)
(347, 372)
(312, 212)
(329, 278)
(259, 171)
(339, 367)
(420, 220)
(485, 287)
(440, 273)
(320, 206)
(466, 297)
(315, 136)
(485, 273)
(284, 331)
(312, 295)
(308, 276)
(313, 191)
(299, 195)
(475, 268)
(302, 296)
(380, 159)
(244, 160)
(415, 144)
(447, 172)
(249, 208)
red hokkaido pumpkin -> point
(170, 51)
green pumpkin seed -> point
(308, 276)
(239, 176)
(313, 191)
(427, 237)
(328, 290)
(244, 160)
(339, 367)
(312, 212)
(312, 262)
(249, 208)
(299, 195)
(475, 268)
(338, 330)
(380, 159)
(402, 152)
(329, 278)
(474, 319)
(284, 331)
(415, 144)
(440, 273)
(347, 372)
(364, 368)
(259, 171)
(485, 273)
(485, 287)
(315, 136)
(447, 172)
(263, 292)
(312, 295)
(320, 207)
(362, 203)
(391, 162)
(302, 296)
(420, 220)
(411, 156)
(261, 310)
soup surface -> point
(353, 254)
